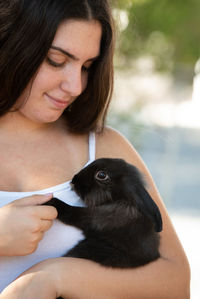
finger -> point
(37, 238)
(46, 225)
(44, 212)
(33, 200)
(40, 236)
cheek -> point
(42, 81)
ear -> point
(147, 206)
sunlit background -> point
(156, 105)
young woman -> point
(55, 88)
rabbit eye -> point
(101, 175)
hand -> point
(23, 223)
(40, 281)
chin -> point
(42, 115)
(51, 119)
(48, 117)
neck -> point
(17, 125)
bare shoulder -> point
(112, 144)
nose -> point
(72, 82)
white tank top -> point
(59, 239)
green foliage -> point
(168, 30)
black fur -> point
(120, 221)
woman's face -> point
(63, 75)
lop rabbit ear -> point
(147, 206)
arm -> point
(162, 279)
(74, 278)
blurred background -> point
(156, 105)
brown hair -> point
(27, 30)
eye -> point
(101, 175)
(53, 63)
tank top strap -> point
(92, 146)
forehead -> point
(79, 37)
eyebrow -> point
(71, 55)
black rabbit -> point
(120, 221)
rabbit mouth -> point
(74, 188)
(77, 190)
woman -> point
(55, 88)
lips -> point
(58, 103)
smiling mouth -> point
(57, 102)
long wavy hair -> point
(27, 30)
